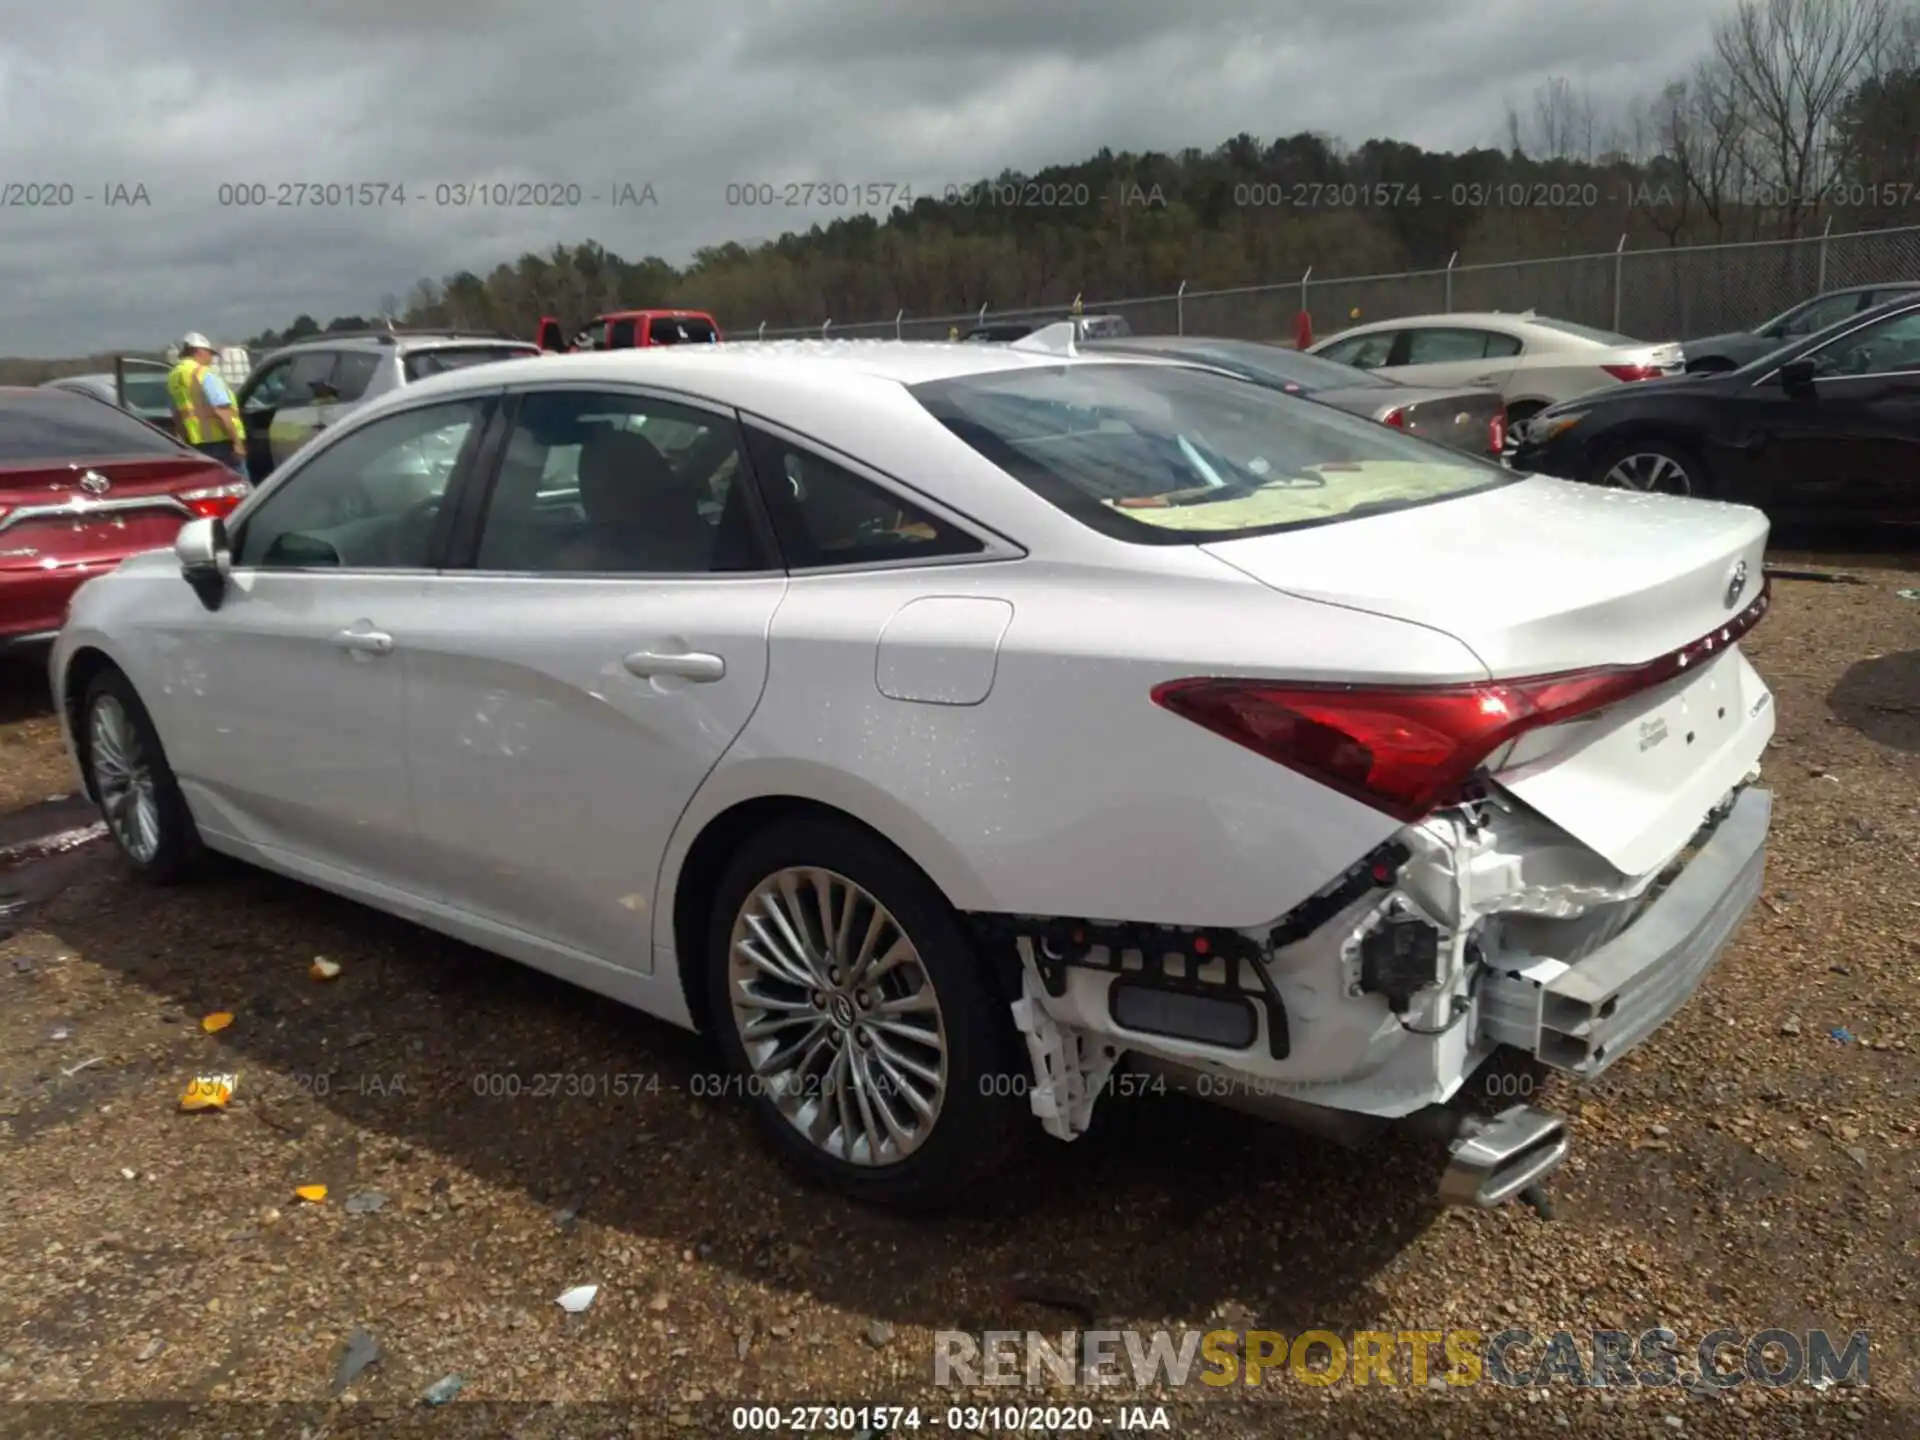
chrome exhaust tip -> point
(1491, 1161)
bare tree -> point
(1789, 66)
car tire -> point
(1659, 466)
(138, 795)
(980, 1114)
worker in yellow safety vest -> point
(203, 407)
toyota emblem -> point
(94, 483)
(1737, 585)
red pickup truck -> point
(632, 330)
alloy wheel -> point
(123, 777)
(838, 1016)
(1651, 473)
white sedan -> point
(944, 726)
(1532, 360)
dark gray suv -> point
(298, 391)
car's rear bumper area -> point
(33, 601)
(1581, 1018)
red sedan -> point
(83, 485)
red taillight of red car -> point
(1497, 433)
(215, 501)
(1395, 418)
(1634, 372)
(1408, 750)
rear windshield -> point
(442, 358)
(679, 330)
(58, 425)
(1583, 332)
(1269, 364)
(1160, 454)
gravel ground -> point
(1756, 1165)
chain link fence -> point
(1666, 294)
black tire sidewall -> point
(980, 1123)
(180, 853)
(1700, 480)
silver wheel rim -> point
(1652, 474)
(124, 779)
(838, 1016)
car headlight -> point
(1543, 428)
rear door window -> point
(1445, 346)
(620, 335)
(310, 376)
(824, 515)
(58, 425)
(353, 373)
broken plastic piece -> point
(443, 1390)
(365, 1203)
(217, 1021)
(312, 1194)
(577, 1299)
(362, 1350)
(71, 1071)
(209, 1092)
(323, 968)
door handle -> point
(1484, 380)
(648, 665)
(366, 642)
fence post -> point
(823, 328)
(1180, 309)
(1450, 262)
(1821, 284)
(763, 331)
(983, 316)
(1303, 288)
(1619, 270)
(898, 317)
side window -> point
(610, 484)
(1501, 347)
(308, 377)
(370, 500)
(593, 337)
(1366, 352)
(824, 515)
(679, 330)
(1441, 347)
(1819, 315)
(268, 387)
(1878, 349)
(353, 373)
(620, 334)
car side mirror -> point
(1796, 377)
(205, 558)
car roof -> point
(398, 341)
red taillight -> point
(1634, 372)
(1407, 751)
(1497, 433)
(1395, 418)
(215, 501)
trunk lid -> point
(1542, 577)
(75, 511)
(1458, 419)
(1535, 576)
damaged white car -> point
(941, 726)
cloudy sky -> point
(688, 98)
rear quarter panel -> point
(1066, 791)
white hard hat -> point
(194, 340)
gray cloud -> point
(180, 98)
